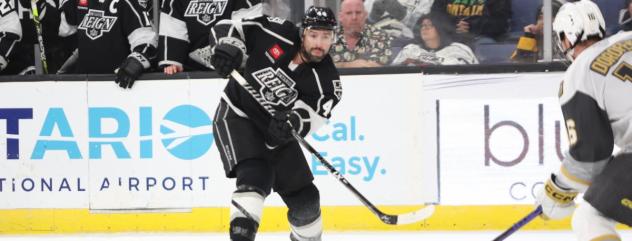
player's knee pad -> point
(245, 213)
(304, 213)
(589, 224)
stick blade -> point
(408, 218)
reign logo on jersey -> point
(276, 86)
(206, 11)
(95, 23)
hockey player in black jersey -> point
(185, 26)
(113, 36)
(595, 98)
(23, 58)
(292, 69)
(10, 33)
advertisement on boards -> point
(496, 137)
(94, 145)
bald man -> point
(359, 44)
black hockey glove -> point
(129, 71)
(226, 58)
(281, 126)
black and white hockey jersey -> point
(185, 26)
(10, 32)
(595, 97)
(108, 31)
(49, 17)
(271, 43)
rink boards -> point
(90, 157)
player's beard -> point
(307, 56)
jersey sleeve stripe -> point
(268, 31)
(11, 48)
(140, 36)
(169, 62)
(320, 90)
(173, 27)
(52, 3)
(166, 46)
(250, 12)
(214, 35)
(63, 2)
(140, 20)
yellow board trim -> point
(346, 218)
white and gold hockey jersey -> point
(596, 100)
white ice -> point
(348, 236)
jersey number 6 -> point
(572, 133)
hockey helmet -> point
(578, 21)
(320, 18)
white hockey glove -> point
(557, 202)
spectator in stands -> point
(475, 22)
(359, 44)
(625, 18)
(529, 47)
(434, 47)
(397, 17)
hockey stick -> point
(38, 29)
(405, 218)
(519, 224)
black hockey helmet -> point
(320, 18)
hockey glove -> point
(557, 202)
(129, 71)
(226, 58)
(281, 126)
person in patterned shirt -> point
(359, 44)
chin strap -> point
(570, 52)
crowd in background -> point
(62, 36)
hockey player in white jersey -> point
(596, 100)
